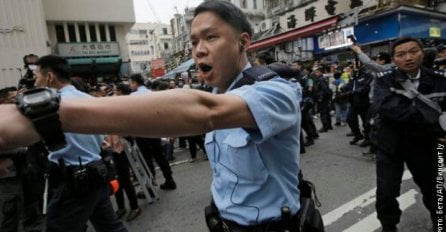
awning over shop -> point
(295, 34)
(185, 66)
(95, 66)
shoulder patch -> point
(385, 73)
(440, 73)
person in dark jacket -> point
(407, 132)
(358, 89)
(323, 97)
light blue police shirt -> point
(141, 90)
(255, 171)
(85, 146)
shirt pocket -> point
(244, 159)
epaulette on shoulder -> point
(440, 73)
(385, 73)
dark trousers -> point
(168, 151)
(422, 161)
(195, 141)
(15, 210)
(67, 212)
(151, 148)
(301, 141)
(123, 170)
(324, 111)
(353, 122)
(308, 124)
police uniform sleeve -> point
(274, 105)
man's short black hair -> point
(405, 40)
(4, 93)
(25, 58)
(124, 88)
(137, 78)
(57, 65)
(384, 56)
(282, 69)
(297, 62)
(228, 13)
(265, 57)
(160, 85)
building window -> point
(254, 4)
(82, 33)
(112, 31)
(166, 46)
(93, 33)
(71, 33)
(102, 33)
(138, 42)
(243, 4)
(164, 31)
(60, 34)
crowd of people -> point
(254, 119)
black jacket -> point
(401, 119)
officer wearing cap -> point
(407, 130)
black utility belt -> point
(216, 223)
(79, 180)
(94, 166)
(279, 226)
(90, 174)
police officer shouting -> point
(407, 130)
(253, 131)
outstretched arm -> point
(157, 114)
(369, 63)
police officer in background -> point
(407, 130)
(81, 191)
(151, 147)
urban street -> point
(344, 180)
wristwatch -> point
(41, 106)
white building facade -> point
(149, 44)
(90, 34)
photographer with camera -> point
(27, 81)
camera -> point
(27, 81)
(352, 38)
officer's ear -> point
(244, 41)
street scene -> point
(222, 115)
(345, 182)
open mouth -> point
(205, 68)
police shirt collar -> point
(415, 77)
(239, 76)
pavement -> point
(345, 182)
